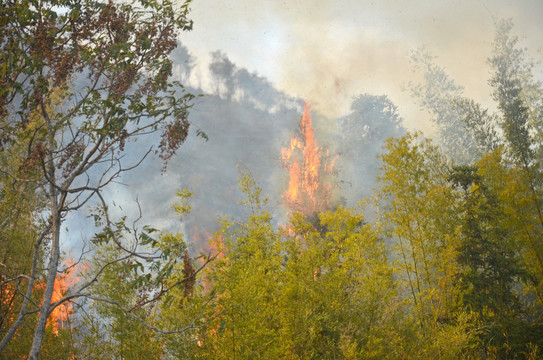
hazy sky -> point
(328, 51)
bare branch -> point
(23, 312)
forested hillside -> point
(293, 235)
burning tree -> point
(79, 81)
(309, 168)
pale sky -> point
(328, 51)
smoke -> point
(248, 121)
(329, 51)
(371, 121)
(273, 55)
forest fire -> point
(60, 316)
(309, 190)
(212, 248)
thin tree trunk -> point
(39, 331)
(407, 271)
(28, 294)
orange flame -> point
(215, 245)
(214, 248)
(306, 192)
(61, 314)
(7, 296)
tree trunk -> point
(39, 331)
(50, 285)
(28, 294)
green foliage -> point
(417, 207)
(460, 259)
(21, 203)
(123, 317)
(508, 80)
(297, 292)
(452, 268)
(111, 332)
(489, 264)
(79, 80)
(497, 214)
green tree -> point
(109, 332)
(458, 235)
(20, 202)
(80, 80)
(516, 213)
(489, 266)
(417, 209)
(244, 281)
(339, 301)
(308, 291)
(17, 203)
(517, 95)
(511, 168)
(144, 305)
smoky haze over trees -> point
(448, 265)
(248, 122)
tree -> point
(456, 233)
(517, 95)
(134, 309)
(466, 130)
(417, 209)
(110, 333)
(81, 80)
(309, 291)
(243, 282)
(18, 203)
(489, 265)
(415, 203)
(372, 120)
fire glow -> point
(308, 191)
(60, 316)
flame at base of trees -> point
(60, 316)
(310, 170)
